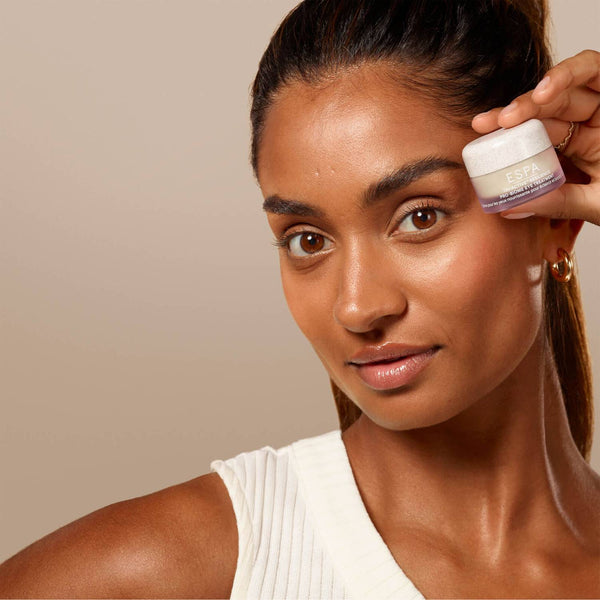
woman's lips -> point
(393, 371)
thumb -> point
(570, 201)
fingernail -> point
(508, 109)
(518, 215)
(481, 114)
(543, 84)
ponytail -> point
(565, 331)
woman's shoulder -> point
(177, 542)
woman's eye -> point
(420, 219)
(307, 243)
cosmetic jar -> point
(509, 167)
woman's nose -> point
(369, 292)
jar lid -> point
(505, 147)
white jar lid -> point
(505, 147)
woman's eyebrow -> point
(404, 176)
(394, 181)
(280, 206)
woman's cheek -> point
(308, 297)
(487, 298)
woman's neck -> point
(504, 474)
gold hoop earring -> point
(562, 269)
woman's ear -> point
(561, 233)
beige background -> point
(144, 332)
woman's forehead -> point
(352, 102)
(359, 121)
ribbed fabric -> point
(304, 532)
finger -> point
(487, 121)
(594, 120)
(571, 201)
(575, 104)
(578, 105)
(574, 173)
(583, 69)
(583, 149)
(557, 129)
(560, 131)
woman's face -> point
(416, 301)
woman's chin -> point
(410, 407)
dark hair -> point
(467, 56)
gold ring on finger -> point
(563, 145)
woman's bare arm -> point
(178, 542)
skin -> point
(157, 546)
(466, 471)
(439, 462)
(570, 91)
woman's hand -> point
(570, 91)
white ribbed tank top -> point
(303, 529)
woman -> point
(456, 353)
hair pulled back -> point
(466, 55)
